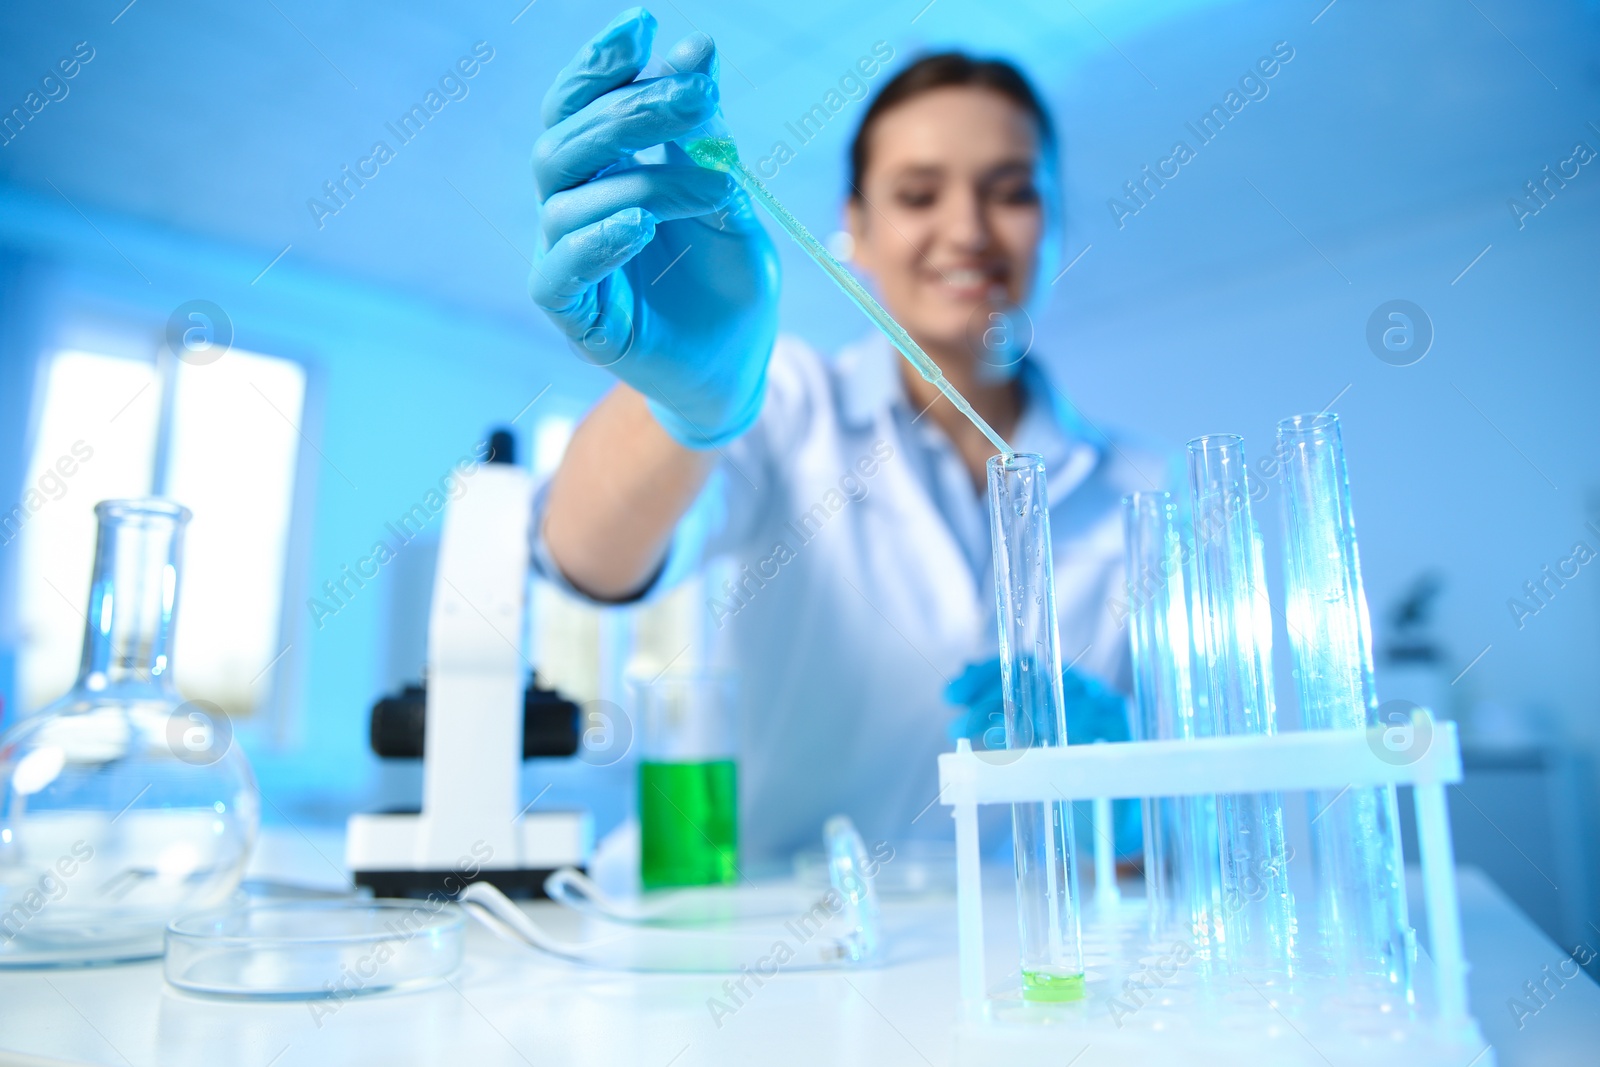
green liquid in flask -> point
(688, 823)
(720, 153)
(1052, 988)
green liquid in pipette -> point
(720, 153)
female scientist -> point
(846, 494)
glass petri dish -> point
(308, 949)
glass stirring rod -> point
(718, 152)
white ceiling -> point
(223, 120)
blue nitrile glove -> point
(1094, 713)
(660, 273)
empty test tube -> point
(1180, 851)
(1035, 714)
(1355, 845)
(1256, 912)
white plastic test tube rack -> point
(1290, 762)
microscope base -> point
(518, 884)
(383, 853)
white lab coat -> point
(863, 585)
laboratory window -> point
(222, 438)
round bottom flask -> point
(122, 806)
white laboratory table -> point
(509, 1006)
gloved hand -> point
(660, 273)
(1094, 713)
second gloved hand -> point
(1094, 713)
(660, 273)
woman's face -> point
(950, 214)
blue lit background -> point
(1379, 166)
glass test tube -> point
(1035, 712)
(1256, 913)
(1180, 853)
(1359, 874)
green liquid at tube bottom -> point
(688, 823)
(1054, 988)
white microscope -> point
(472, 824)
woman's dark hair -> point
(941, 71)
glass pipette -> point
(718, 152)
